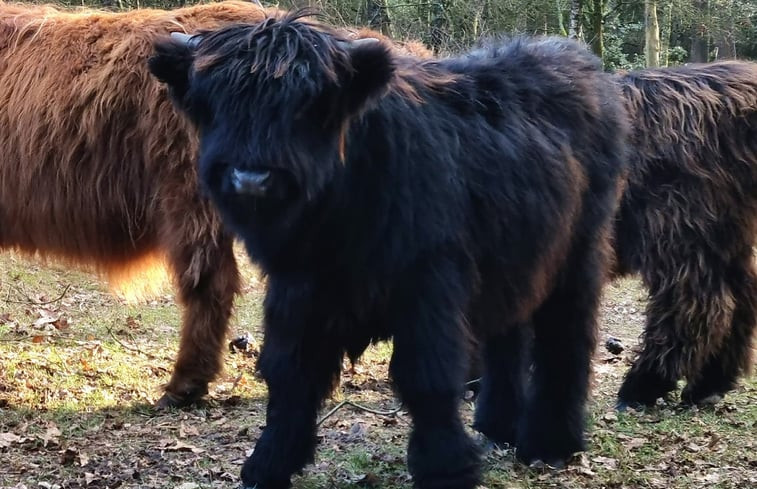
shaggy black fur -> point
(687, 224)
(432, 202)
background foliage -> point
(688, 30)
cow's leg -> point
(300, 362)
(500, 402)
(428, 368)
(201, 256)
(552, 426)
(689, 314)
(733, 359)
(647, 379)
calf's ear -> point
(371, 70)
(171, 61)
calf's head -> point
(272, 102)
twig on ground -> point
(377, 412)
(133, 348)
(31, 301)
(124, 345)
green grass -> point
(75, 405)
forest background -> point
(625, 34)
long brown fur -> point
(410, 47)
(96, 167)
(687, 223)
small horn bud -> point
(188, 40)
(357, 42)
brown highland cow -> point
(687, 224)
(97, 168)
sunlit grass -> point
(79, 396)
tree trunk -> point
(700, 35)
(666, 34)
(652, 34)
(575, 30)
(482, 8)
(377, 16)
(111, 4)
(560, 20)
(725, 40)
(438, 25)
(725, 46)
(597, 23)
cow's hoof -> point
(170, 400)
(556, 464)
(691, 398)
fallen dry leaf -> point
(133, 322)
(608, 462)
(45, 317)
(633, 443)
(369, 479)
(89, 478)
(6, 439)
(585, 471)
(185, 431)
(694, 448)
(51, 436)
(714, 440)
(47, 485)
(61, 323)
(358, 431)
(68, 456)
(180, 446)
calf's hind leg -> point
(687, 320)
(647, 380)
(723, 367)
(500, 401)
(552, 428)
(428, 371)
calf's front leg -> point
(300, 363)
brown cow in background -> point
(96, 168)
(687, 224)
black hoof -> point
(487, 446)
(553, 445)
(553, 464)
(553, 461)
(282, 485)
(502, 434)
(171, 400)
(643, 389)
(444, 460)
(691, 398)
(623, 406)
(254, 478)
